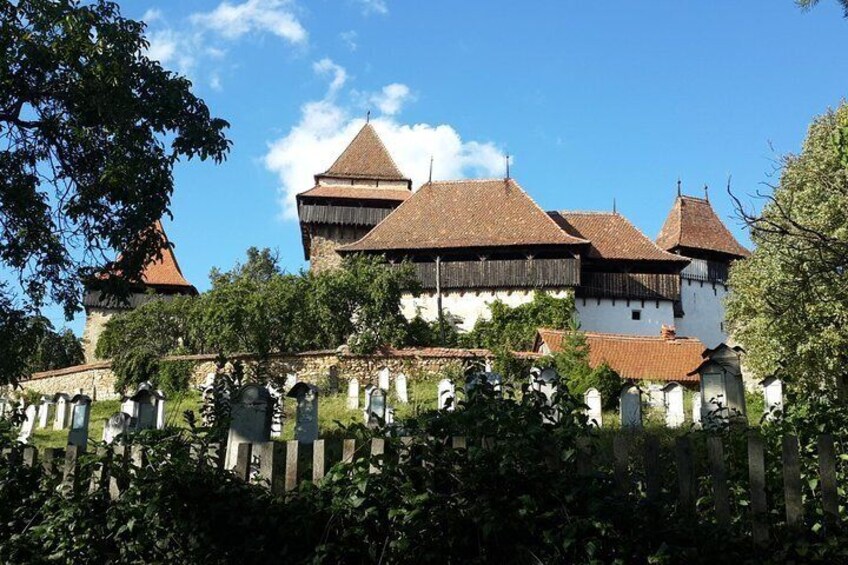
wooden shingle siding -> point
(501, 273)
(344, 215)
(640, 286)
(702, 270)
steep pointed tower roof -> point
(365, 158)
(693, 224)
(165, 272)
(162, 275)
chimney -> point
(667, 332)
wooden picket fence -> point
(283, 465)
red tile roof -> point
(358, 193)
(365, 158)
(637, 357)
(612, 236)
(692, 223)
(463, 214)
(164, 272)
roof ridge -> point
(651, 241)
(545, 214)
(631, 337)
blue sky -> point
(596, 101)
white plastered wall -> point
(606, 315)
(703, 308)
(467, 306)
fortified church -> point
(475, 241)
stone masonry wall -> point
(98, 381)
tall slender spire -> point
(507, 165)
(679, 191)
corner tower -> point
(692, 229)
(160, 278)
(360, 189)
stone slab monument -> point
(251, 412)
(594, 410)
(631, 406)
(306, 417)
(80, 414)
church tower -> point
(360, 189)
(160, 279)
(693, 230)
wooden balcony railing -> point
(640, 286)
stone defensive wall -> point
(98, 381)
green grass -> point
(101, 410)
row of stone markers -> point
(384, 383)
(71, 413)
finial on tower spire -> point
(614, 211)
(507, 165)
(430, 180)
(706, 192)
(368, 117)
(679, 192)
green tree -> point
(515, 328)
(91, 129)
(50, 349)
(789, 306)
(808, 4)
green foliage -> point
(515, 328)
(790, 298)
(50, 349)
(256, 308)
(518, 498)
(808, 4)
(91, 129)
(572, 363)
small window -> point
(635, 314)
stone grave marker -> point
(594, 410)
(277, 419)
(353, 394)
(63, 414)
(146, 401)
(117, 424)
(160, 410)
(333, 380)
(383, 378)
(44, 411)
(376, 407)
(80, 414)
(289, 382)
(773, 396)
(306, 418)
(401, 388)
(31, 414)
(675, 415)
(696, 409)
(446, 395)
(631, 406)
(250, 419)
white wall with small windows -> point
(703, 311)
(620, 316)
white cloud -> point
(326, 127)
(349, 39)
(327, 67)
(374, 6)
(189, 47)
(391, 99)
(235, 20)
(152, 15)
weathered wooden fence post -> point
(792, 481)
(651, 457)
(244, 452)
(119, 469)
(621, 456)
(757, 481)
(827, 471)
(715, 454)
(291, 465)
(378, 448)
(685, 475)
(318, 461)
